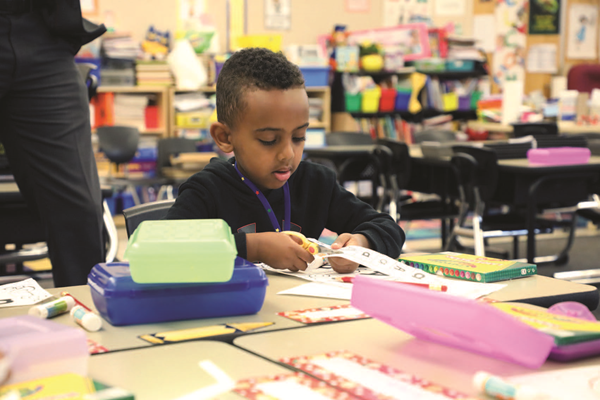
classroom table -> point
(537, 290)
(172, 371)
(370, 338)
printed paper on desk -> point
(23, 293)
(325, 314)
(317, 289)
(370, 379)
(289, 387)
(581, 383)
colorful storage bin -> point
(460, 65)
(387, 102)
(370, 100)
(315, 76)
(353, 102)
(464, 103)
(403, 99)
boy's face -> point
(269, 136)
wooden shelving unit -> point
(323, 92)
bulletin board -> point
(539, 81)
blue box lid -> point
(114, 280)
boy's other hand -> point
(278, 250)
(341, 265)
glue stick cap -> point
(500, 389)
(88, 320)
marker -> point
(86, 319)
(76, 301)
(345, 279)
(496, 387)
(431, 286)
(53, 308)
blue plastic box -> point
(315, 76)
(121, 301)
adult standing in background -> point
(45, 128)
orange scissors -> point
(311, 247)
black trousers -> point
(45, 129)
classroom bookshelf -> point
(159, 95)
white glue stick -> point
(53, 308)
(500, 389)
(88, 320)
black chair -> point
(476, 171)
(434, 135)
(536, 129)
(366, 166)
(168, 147)
(407, 207)
(145, 212)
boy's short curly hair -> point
(252, 69)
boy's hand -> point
(341, 265)
(278, 250)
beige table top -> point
(382, 343)
(126, 337)
(171, 371)
(528, 289)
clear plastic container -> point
(37, 348)
(121, 301)
(181, 251)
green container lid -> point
(179, 251)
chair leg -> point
(478, 236)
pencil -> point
(431, 286)
(76, 301)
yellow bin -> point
(370, 100)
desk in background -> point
(563, 127)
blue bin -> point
(121, 301)
(402, 100)
(315, 76)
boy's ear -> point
(222, 136)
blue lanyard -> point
(267, 206)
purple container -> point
(464, 103)
(402, 100)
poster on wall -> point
(544, 17)
(511, 28)
(583, 31)
(398, 12)
(278, 15)
(450, 7)
(89, 8)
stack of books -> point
(463, 49)
(153, 73)
(129, 110)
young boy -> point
(262, 110)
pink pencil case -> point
(452, 321)
(559, 155)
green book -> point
(469, 267)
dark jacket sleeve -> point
(349, 214)
(63, 18)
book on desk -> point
(470, 267)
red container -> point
(387, 102)
(151, 117)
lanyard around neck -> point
(267, 206)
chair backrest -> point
(535, 129)
(85, 69)
(172, 146)
(435, 135)
(584, 77)
(483, 175)
(347, 138)
(118, 143)
(145, 212)
(400, 163)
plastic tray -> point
(181, 251)
(121, 301)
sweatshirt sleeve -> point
(349, 214)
